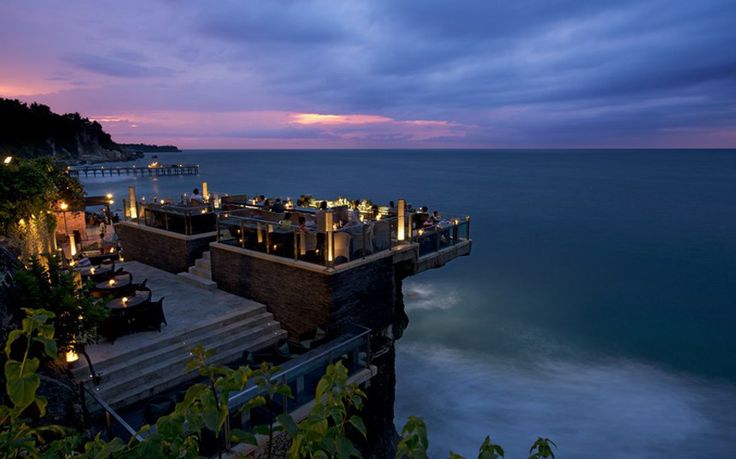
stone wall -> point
(302, 298)
(172, 252)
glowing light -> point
(108, 195)
(71, 356)
(63, 206)
(112, 250)
(72, 245)
(400, 232)
(162, 202)
(125, 300)
(111, 282)
(204, 211)
(7, 160)
(92, 270)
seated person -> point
(196, 198)
(278, 206)
(435, 218)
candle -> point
(92, 270)
(125, 300)
(111, 282)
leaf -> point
(288, 423)
(241, 436)
(455, 456)
(41, 403)
(12, 336)
(344, 447)
(21, 388)
(357, 422)
(49, 346)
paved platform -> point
(186, 307)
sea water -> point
(598, 307)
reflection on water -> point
(612, 409)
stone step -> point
(205, 255)
(121, 368)
(200, 272)
(176, 373)
(204, 264)
(174, 365)
(193, 335)
(198, 281)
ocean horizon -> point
(597, 307)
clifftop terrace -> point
(340, 232)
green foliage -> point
(33, 130)
(18, 438)
(322, 434)
(414, 442)
(76, 314)
(542, 449)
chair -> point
(382, 235)
(342, 245)
(113, 326)
(149, 315)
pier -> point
(109, 171)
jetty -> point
(149, 171)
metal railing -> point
(302, 373)
(99, 415)
(441, 236)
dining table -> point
(87, 271)
(116, 285)
(127, 302)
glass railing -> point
(441, 236)
(302, 374)
(284, 238)
(187, 220)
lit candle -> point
(92, 270)
(111, 282)
(125, 300)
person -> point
(278, 206)
(354, 215)
(436, 217)
(302, 223)
(196, 197)
(392, 211)
(266, 204)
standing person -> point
(103, 230)
(196, 197)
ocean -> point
(598, 307)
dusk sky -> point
(375, 74)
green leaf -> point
(241, 436)
(288, 423)
(21, 388)
(41, 403)
(344, 447)
(357, 422)
(12, 336)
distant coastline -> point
(31, 131)
(148, 148)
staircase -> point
(200, 275)
(141, 372)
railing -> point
(99, 415)
(285, 239)
(187, 220)
(302, 374)
(441, 236)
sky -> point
(382, 73)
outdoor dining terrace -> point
(344, 231)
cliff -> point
(34, 130)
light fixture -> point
(64, 206)
(401, 223)
(7, 160)
(111, 282)
(92, 270)
(71, 356)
